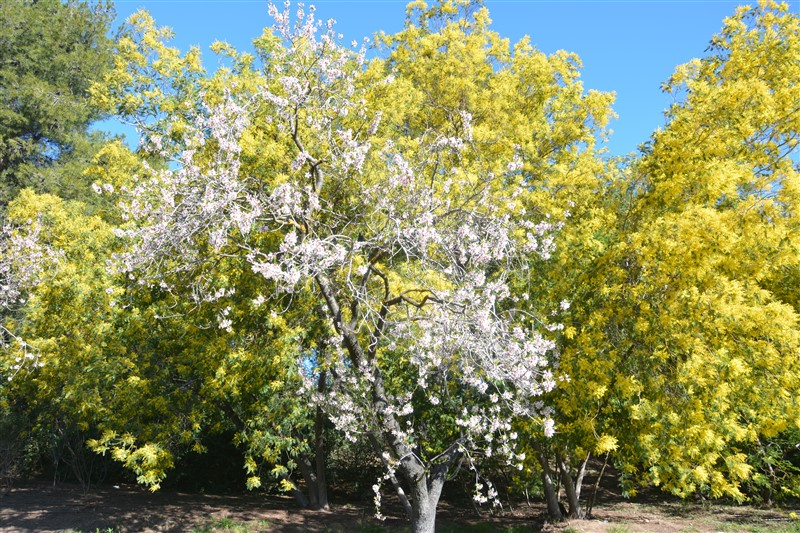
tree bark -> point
(426, 491)
(573, 501)
(300, 498)
(581, 474)
(319, 447)
(596, 487)
(423, 519)
(309, 476)
(553, 508)
(319, 459)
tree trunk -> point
(423, 519)
(553, 508)
(596, 487)
(426, 490)
(581, 474)
(573, 501)
(319, 447)
(311, 501)
(314, 474)
(319, 459)
(300, 498)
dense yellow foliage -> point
(684, 334)
(680, 353)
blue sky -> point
(626, 46)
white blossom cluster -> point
(24, 260)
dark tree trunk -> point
(310, 478)
(300, 498)
(573, 496)
(550, 488)
(314, 473)
(596, 487)
(319, 448)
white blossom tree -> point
(405, 243)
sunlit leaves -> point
(686, 340)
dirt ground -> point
(66, 508)
(672, 517)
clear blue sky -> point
(626, 46)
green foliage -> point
(776, 467)
(50, 53)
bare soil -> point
(671, 517)
(66, 508)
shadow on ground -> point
(40, 508)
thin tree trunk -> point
(596, 487)
(319, 447)
(569, 488)
(581, 474)
(319, 456)
(314, 474)
(553, 509)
